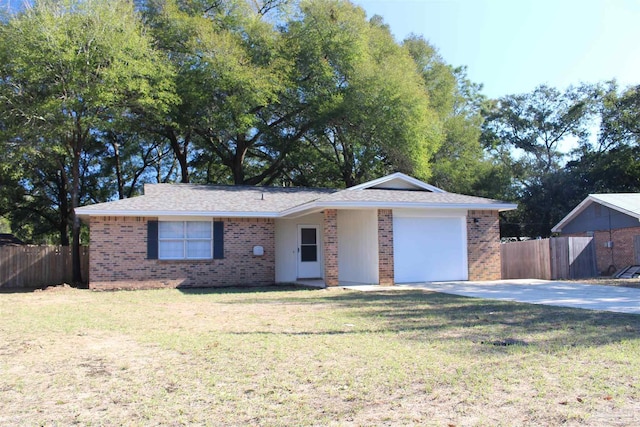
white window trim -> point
(186, 240)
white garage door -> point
(429, 249)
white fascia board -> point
(300, 214)
(430, 213)
(208, 214)
(301, 210)
(577, 210)
(291, 213)
(397, 175)
(398, 205)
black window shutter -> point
(152, 240)
(218, 239)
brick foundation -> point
(483, 247)
(385, 247)
(622, 254)
(118, 257)
(330, 241)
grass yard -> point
(287, 356)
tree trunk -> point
(180, 153)
(63, 194)
(119, 179)
(237, 162)
(75, 226)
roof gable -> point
(397, 181)
(626, 203)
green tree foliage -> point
(616, 170)
(5, 225)
(524, 134)
(612, 164)
(536, 124)
(620, 114)
(72, 69)
(371, 114)
(231, 74)
(459, 162)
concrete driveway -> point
(563, 294)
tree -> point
(5, 226)
(525, 133)
(616, 170)
(73, 68)
(620, 117)
(232, 74)
(536, 124)
(361, 88)
(458, 163)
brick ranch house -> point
(394, 229)
(613, 220)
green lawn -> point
(287, 356)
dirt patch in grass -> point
(88, 378)
(322, 357)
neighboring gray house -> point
(614, 222)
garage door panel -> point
(429, 249)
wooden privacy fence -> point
(549, 259)
(37, 266)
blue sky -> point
(512, 46)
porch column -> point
(385, 247)
(330, 245)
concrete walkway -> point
(563, 294)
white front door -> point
(308, 252)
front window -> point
(185, 239)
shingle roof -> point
(405, 196)
(628, 203)
(217, 200)
(182, 198)
(9, 240)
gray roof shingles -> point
(182, 198)
(190, 198)
(405, 196)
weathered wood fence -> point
(549, 259)
(37, 266)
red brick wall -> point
(385, 247)
(330, 241)
(483, 248)
(610, 260)
(118, 257)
